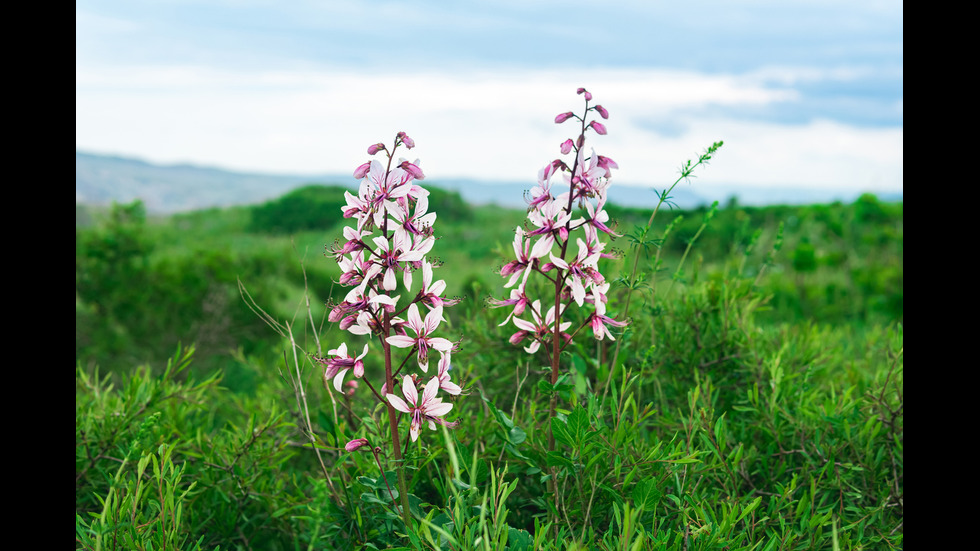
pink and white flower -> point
(422, 340)
(340, 364)
(425, 408)
(599, 320)
(540, 329)
(431, 292)
(445, 364)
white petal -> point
(543, 246)
(398, 403)
(558, 262)
(430, 391)
(401, 341)
(441, 344)
(389, 282)
(433, 319)
(408, 390)
(338, 380)
(439, 409)
(408, 279)
(415, 319)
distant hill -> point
(102, 179)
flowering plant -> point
(391, 235)
(557, 216)
(573, 272)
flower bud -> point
(361, 171)
(374, 148)
(598, 127)
(602, 111)
(564, 117)
(409, 142)
(588, 96)
(412, 169)
(356, 444)
(566, 146)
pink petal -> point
(401, 341)
(433, 319)
(338, 381)
(439, 409)
(398, 403)
(524, 324)
(430, 391)
(409, 391)
(414, 319)
(440, 344)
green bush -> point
(313, 207)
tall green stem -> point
(686, 172)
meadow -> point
(753, 401)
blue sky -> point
(804, 94)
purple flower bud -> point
(374, 148)
(412, 169)
(602, 111)
(409, 142)
(362, 170)
(588, 96)
(563, 117)
(566, 146)
(598, 127)
(348, 321)
(356, 444)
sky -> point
(805, 94)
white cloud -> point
(480, 124)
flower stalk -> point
(554, 223)
(391, 236)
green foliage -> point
(755, 401)
(449, 205)
(312, 207)
(163, 461)
(134, 298)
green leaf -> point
(556, 459)
(646, 495)
(517, 435)
(561, 432)
(749, 508)
(578, 424)
(518, 540)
